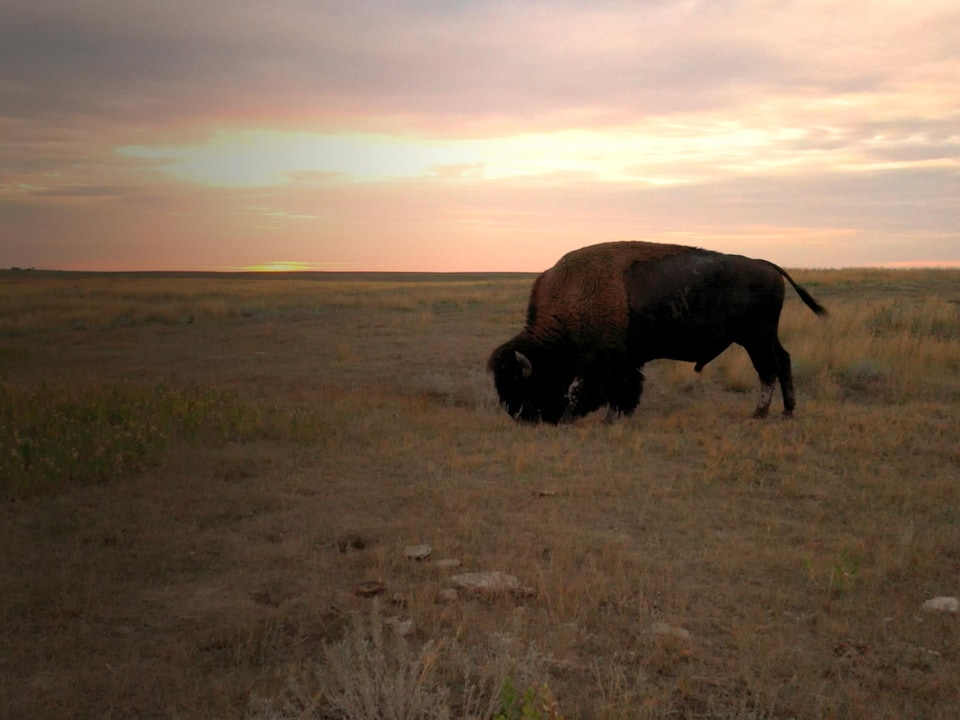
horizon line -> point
(320, 269)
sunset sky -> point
(446, 135)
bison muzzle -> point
(602, 312)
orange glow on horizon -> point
(289, 266)
(921, 265)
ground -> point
(256, 449)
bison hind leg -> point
(763, 406)
(767, 364)
(785, 375)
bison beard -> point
(602, 312)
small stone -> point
(448, 563)
(448, 596)
(417, 552)
(664, 630)
(370, 588)
(399, 627)
(942, 604)
(492, 583)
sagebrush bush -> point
(376, 674)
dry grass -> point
(307, 431)
(48, 300)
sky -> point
(446, 135)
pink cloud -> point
(845, 117)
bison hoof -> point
(760, 413)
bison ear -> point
(525, 365)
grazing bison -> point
(598, 315)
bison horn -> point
(525, 365)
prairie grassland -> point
(198, 474)
(31, 302)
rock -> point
(417, 552)
(942, 604)
(448, 563)
(448, 596)
(370, 588)
(399, 626)
(492, 583)
(662, 629)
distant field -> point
(202, 474)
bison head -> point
(531, 383)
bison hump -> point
(584, 296)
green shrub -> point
(535, 702)
(54, 437)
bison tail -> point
(804, 295)
(807, 298)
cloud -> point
(485, 62)
(329, 131)
(82, 191)
(253, 158)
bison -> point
(597, 316)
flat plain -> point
(207, 484)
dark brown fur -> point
(597, 316)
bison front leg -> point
(584, 395)
(610, 381)
(623, 392)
